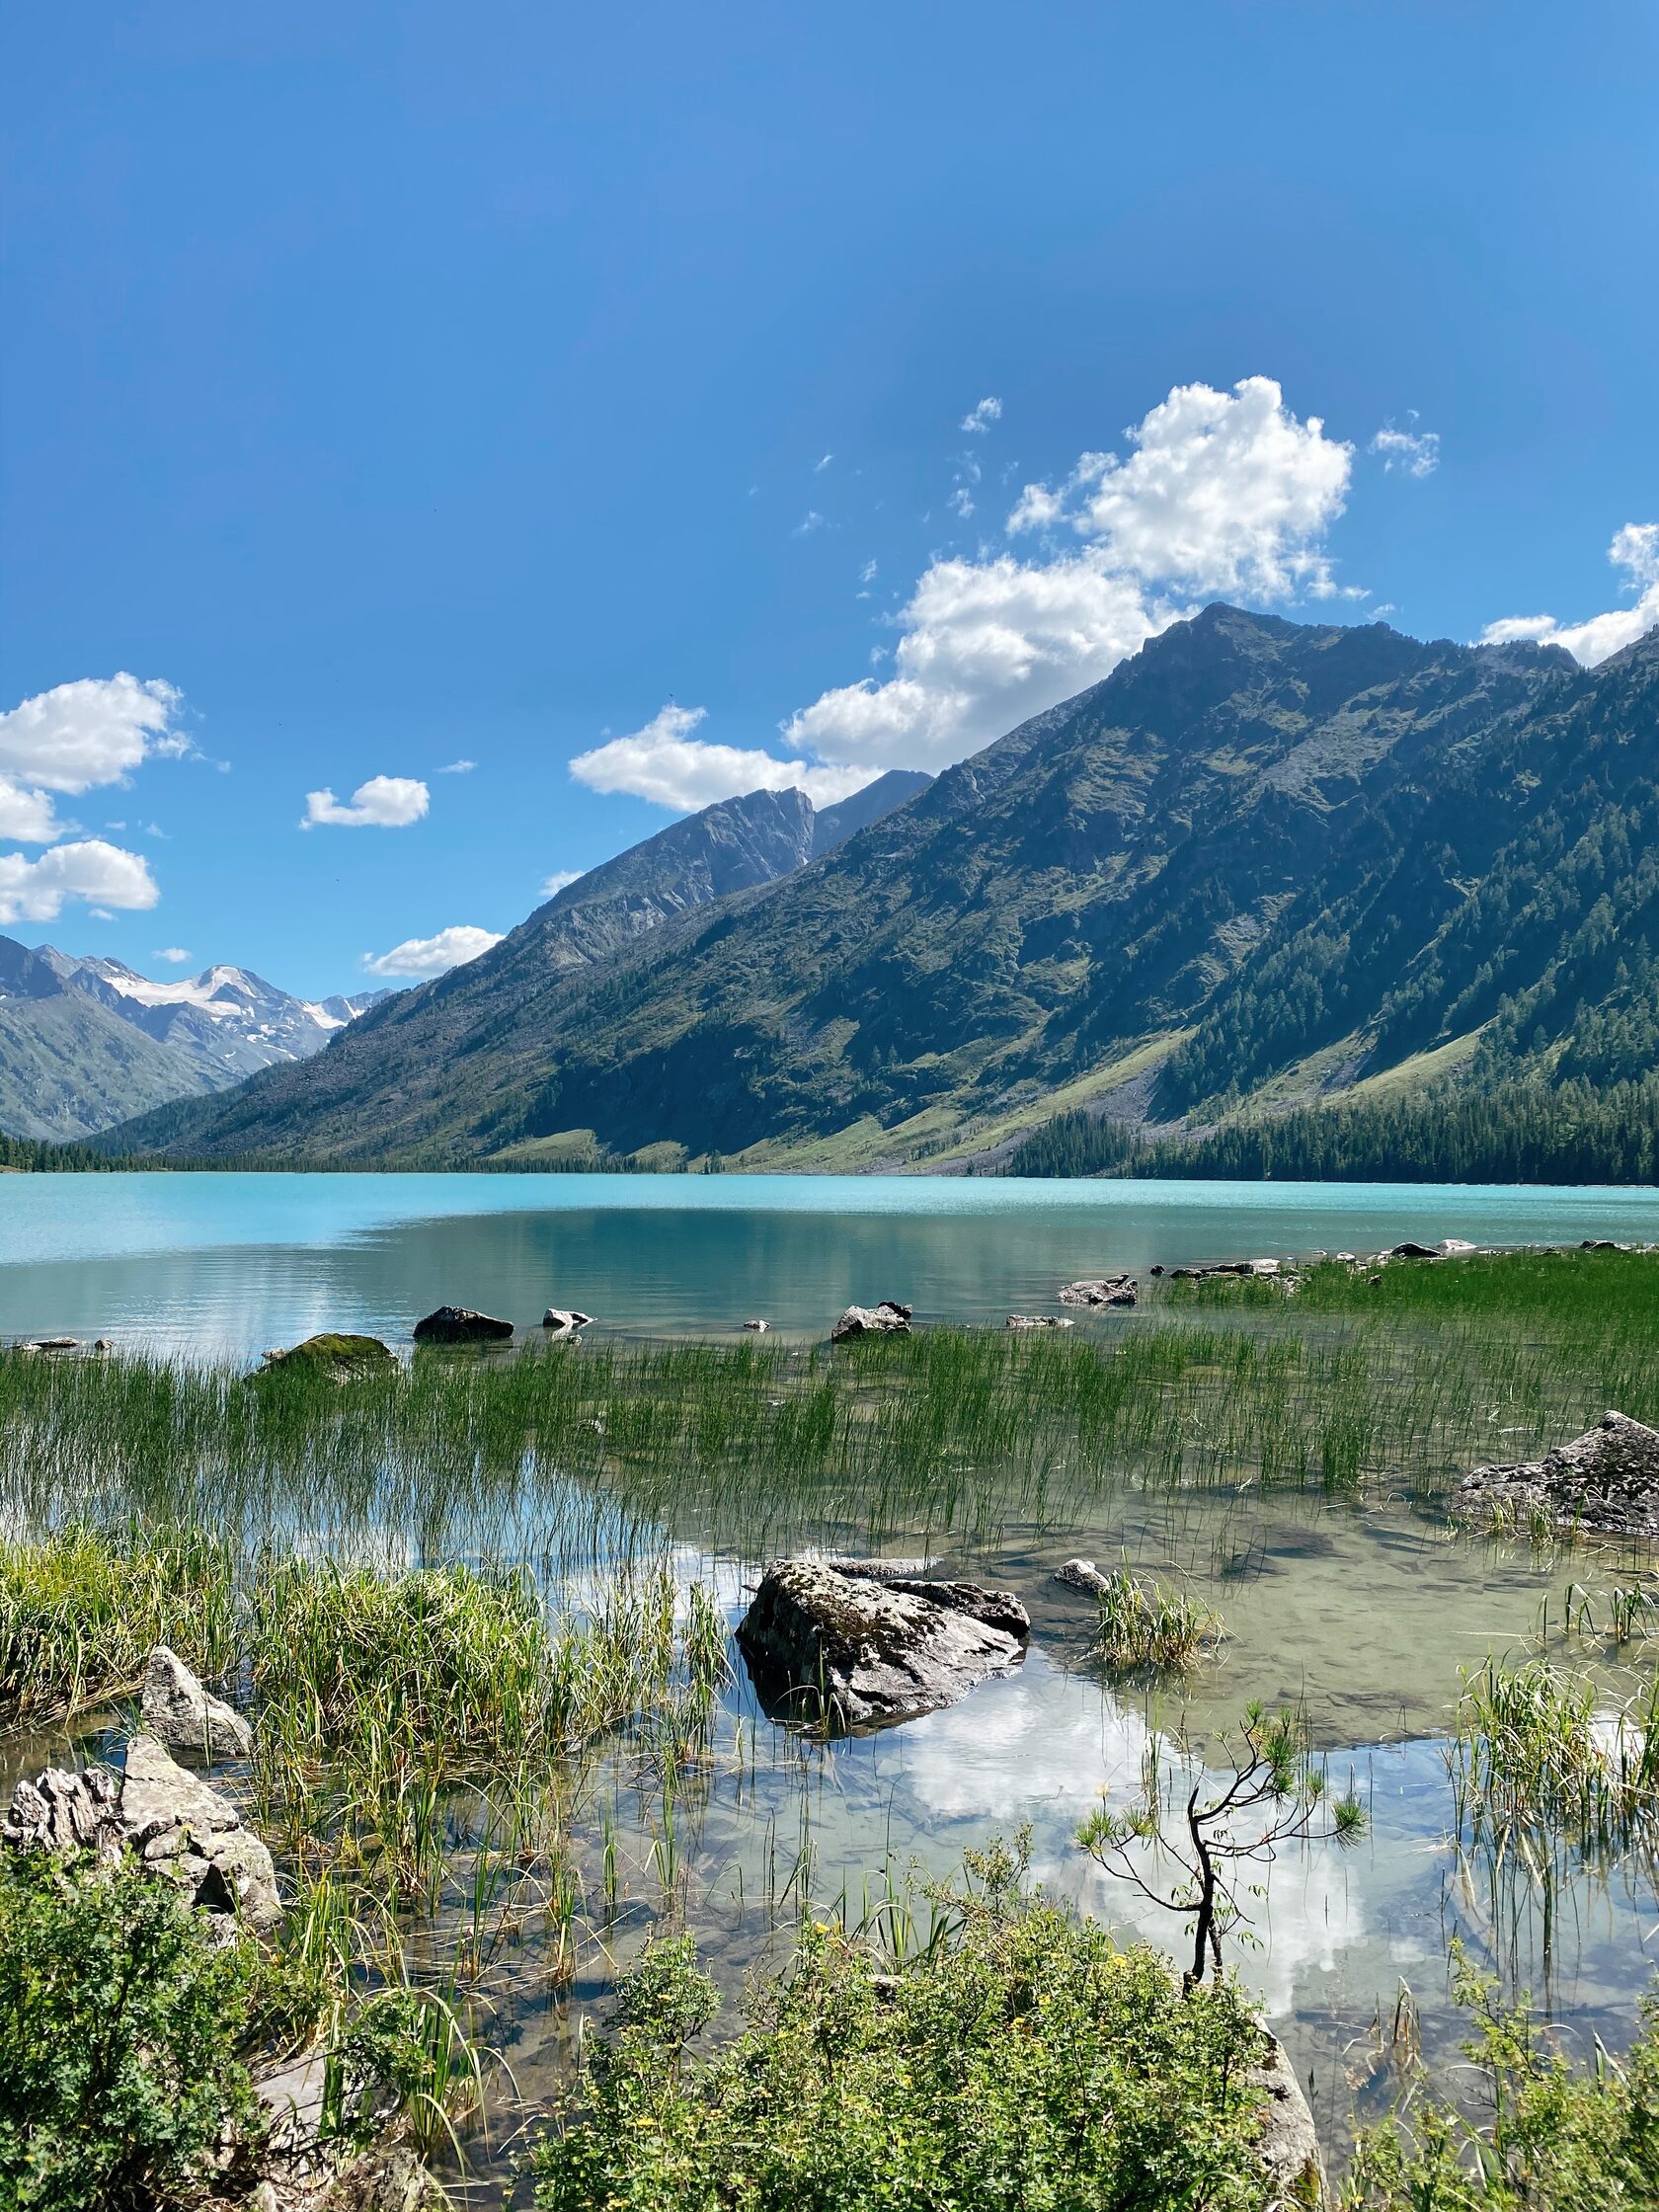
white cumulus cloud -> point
(984, 645)
(94, 731)
(432, 956)
(979, 418)
(176, 954)
(36, 890)
(1413, 452)
(1635, 550)
(665, 763)
(383, 802)
(1223, 493)
(26, 815)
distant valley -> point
(86, 1043)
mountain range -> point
(85, 1043)
(1263, 863)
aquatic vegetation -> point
(1561, 2138)
(81, 1610)
(1147, 1624)
(1274, 1796)
(1536, 1752)
(1026, 2061)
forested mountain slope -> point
(420, 1073)
(1265, 854)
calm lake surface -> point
(225, 1265)
(1363, 1609)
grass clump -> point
(1148, 1626)
(1026, 2062)
(81, 1610)
(1561, 2138)
(120, 2020)
(1534, 1757)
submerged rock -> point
(1041, 1321)
(176, 1823)
(759, 1328)
(843, 1652)
(886, 1319)
(332, 1354)
(459, 1324)
(180, 1712)
(1605, 1481)
(1101, 1290)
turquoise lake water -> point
(228, 1264)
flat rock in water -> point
(459, 1324)
(565, 1319)
(843, 1652)
(1603, 1482)
(1041, 1321)
(178, 1712)
(759, 1328)
(1101, 1290)
(889, 1318)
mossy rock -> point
(331, 1356)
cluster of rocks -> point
(889, 1318)
(854, 1646)
(1604, 1482)
(1101, 1290)
(178, 1824)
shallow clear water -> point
(228, 1264)
(1361, 1611)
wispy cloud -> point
(1411, 452)
(979, 416)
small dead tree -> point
(1274, 1796)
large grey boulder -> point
(889, 1318)
(1288, 2145)
(1605, 1481)
(176, 1822)
(841, 1652)
(178, 1712)
(180, 1824)
(460, 1324)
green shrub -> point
(1027, 2062)
(1561, 2139)
(119, 2026)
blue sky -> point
(390, 387)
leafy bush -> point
(1561, 2139)
(119, 2026)
(1029, 2062)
